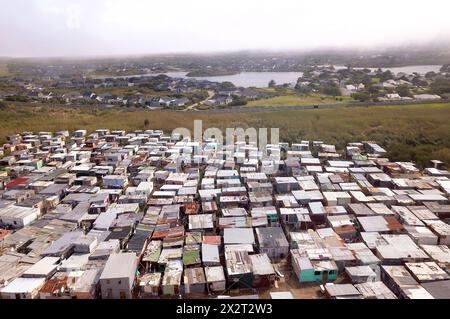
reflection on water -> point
(244, 79)
(247, 79)
(262, 79)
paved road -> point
(191, 107)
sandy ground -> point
(288, 283)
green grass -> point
(293, 100)
(408, 132)
(202, 107)
(4, 70)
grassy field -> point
(415, 132)
(4, 69)
(292, 100)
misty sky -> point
(37, 28)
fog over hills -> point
(42, 28)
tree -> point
(272, 83)
(440, 86)
(386, 75)
(331, 89)
(445, 68)
(304, 89)
(238, 101)
(404, 91)
(430, 75)
(226, 86)
(417, 81)
(362, 96)
(372, 89)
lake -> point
(244, 79)
(247, 79)
(262, 79)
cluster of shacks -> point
(111, 214)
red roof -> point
(16, 182)
(213, 240)
(4, 233)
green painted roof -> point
(191, 257)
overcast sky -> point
(40, 28)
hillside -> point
(416, 132)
